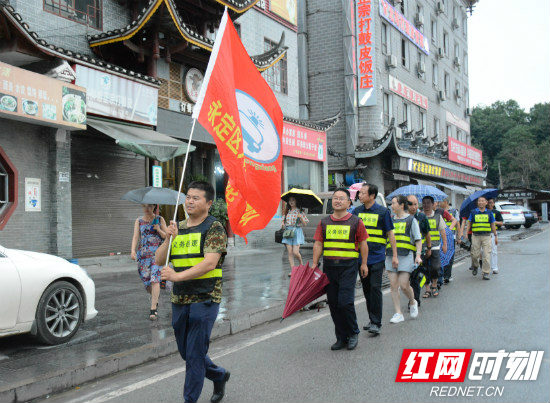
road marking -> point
(149, 381)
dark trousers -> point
(192, 325)
(341, 296)
(414, 279)
(448, 270)
(434, 265)
(372, 289)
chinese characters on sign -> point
(299, 142)
(408, 93)
(397, 19)
(25, 95)
(118, 97)
(464, 154)
(157, 176)
(439, 172)
(364, 53)
(33, 196)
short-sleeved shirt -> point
(295, 217)
(478, 211)
(377, 251)
(360, 235)
(215, 242)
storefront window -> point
(298, 173)
(8, 188)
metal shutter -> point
(101, 173)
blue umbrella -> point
(471, 202)
(446, 257)
(420, 191)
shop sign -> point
(286, 9)
(117, 97)
(517, 195)
(364, 53)
(456, 121)
(408, 93)
(33, 196)
(404, 26)
(304, 143)
(464, 154)
(157, 176)
(439, 172)
(33, 97)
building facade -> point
(399, 71)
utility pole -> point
(500, 183)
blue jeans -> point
(192, 325)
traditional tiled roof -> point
(69, 55)
(239, 6)
(319, 125)
(262, 61)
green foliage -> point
(219, 210)
(516, 139)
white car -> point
(512, 214)
(44, 295)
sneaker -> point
(414, 310)
(397, 317)
(474, 271)
(485, 276)
(374, 329)
(495, 271)
(367, 326)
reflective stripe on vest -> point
(376, 235)
(186, 253)
(402, 240)
(339, 241)
(481, 223)
(434, 232)
(449, 223)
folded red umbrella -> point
(306, 285)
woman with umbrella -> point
(293, 220)
(149, 231)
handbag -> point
(279, 235)
(289, 233)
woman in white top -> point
(293, 219)
(409, 242)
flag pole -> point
(180, 187)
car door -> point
(10, 291)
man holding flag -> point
(237, 107)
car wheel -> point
(527, 225)
(516, 226)
(59, 314)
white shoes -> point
(414, 310)
(398, 317)
(495, 271)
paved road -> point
(291, 361)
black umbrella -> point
(152, 195)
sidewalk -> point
(255, 286)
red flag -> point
(238, 108)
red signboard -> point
(408, 93)
(464, 154)
(304, 143)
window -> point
(457, 51)
(386, 39)
(465, 63)
(419, 18)
(404, 53)
(403, 7)
(449, 131)
(298, 173)
(87, 12)
(422, 119)
(447, 84)
(458, 94)
(8, 188)
(435, 76)
(387, 108)
(434, 31)
(466, 98)
(421, 66)
(436, 128)
(4, 182)
(407, 115)
(276, 75)
(446, 43)
(464, 32)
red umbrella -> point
(306, 285)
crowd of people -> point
(402, 240)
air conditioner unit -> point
(441, 95)
(454, 24)
(458, 95)
(421, 67)
(391, 61)
(468, 112)
(439, 8)
(456, 62)
(440, 53)
(419, 20)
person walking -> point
(409, 248)
(293, 220)
(450, 216)
(149, 231)
(379, 226)
(416, 278)
(197, 251)
(438, 240)
(482, 224)
(339, 238)
(499, 222)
